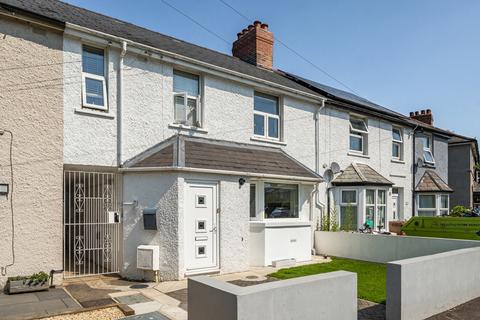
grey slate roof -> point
(201, 153)
(431, 182)
(358, 174)
(63, 12)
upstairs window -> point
(266, 116)
(397, 144)
(186, 87)
(94, 86)
(427, 150)
(358, 135)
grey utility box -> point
(150, 219)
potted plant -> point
(35, 282)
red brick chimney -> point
(255, 45)
(424, 116)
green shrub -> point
(34, 279)
(459, 211)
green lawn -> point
(371, 276)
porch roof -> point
(358, 174)
(182, 152)
(431, 182)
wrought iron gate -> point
(92, 223)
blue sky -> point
(406, 55)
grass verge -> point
(371, 276)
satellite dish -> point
(328, 176)
(420, 162)
(335, 167)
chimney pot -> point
(412, 114)
(425, 116)
(423, 111)
(257, 23)
(264, 26)
(417, 113)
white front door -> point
(395, 210)
(201, 226)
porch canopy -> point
(431, 182)
(194, 154)
(358, 174)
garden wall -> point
(383, 248)
(418, 288)
(325, 296)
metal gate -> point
(92, 223)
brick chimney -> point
(424, 116)
(255, 45)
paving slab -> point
(132, 299)
(469, 310)
(146, 307)
(6, 299)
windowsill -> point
(259, 139)
(360, 155)
(398, 161)
(273, 224)
(95, 113)
(184, 127)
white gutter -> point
(173, 58)
(225, 172)
(120, 104)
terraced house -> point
(179, 160)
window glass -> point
(381, 216)
(356, 142)
(426, 142)
(397, 135)
(186, 82)
(272, 127)
(93, 61)
(382, 198)
(427, 213)
(426, 202)
(396, 150)
(349, 197)
(348, 217)
(444, 202)
(427, 155)
(253, 212)
(266, 103)
(281, 201)
(259, 124)
(94, 91)
(370, 197)
(358, 124)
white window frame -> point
(343, 204)
(398, 143)
(428, 149)
(86, 75)
(362, 134)
(186, 96)
(260, 203)
(267, 115)
(376, 205)
(438, 203)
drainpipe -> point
(414, 198)
(317, 153)
(120, 104)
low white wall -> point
(420, 287)
(383, 248)
(325, 296)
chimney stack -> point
(255, 45)
(424, 116)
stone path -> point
(36, 304)
(469, 310)
(368, 310)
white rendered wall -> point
(151, 190)
(334, 147)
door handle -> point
(214, 229)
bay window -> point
(349, 210)
(94, 86)
(186, 87)
(358, 135)
(397, 144)
(430, 205)
(266, 116)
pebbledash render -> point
(180, 160)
